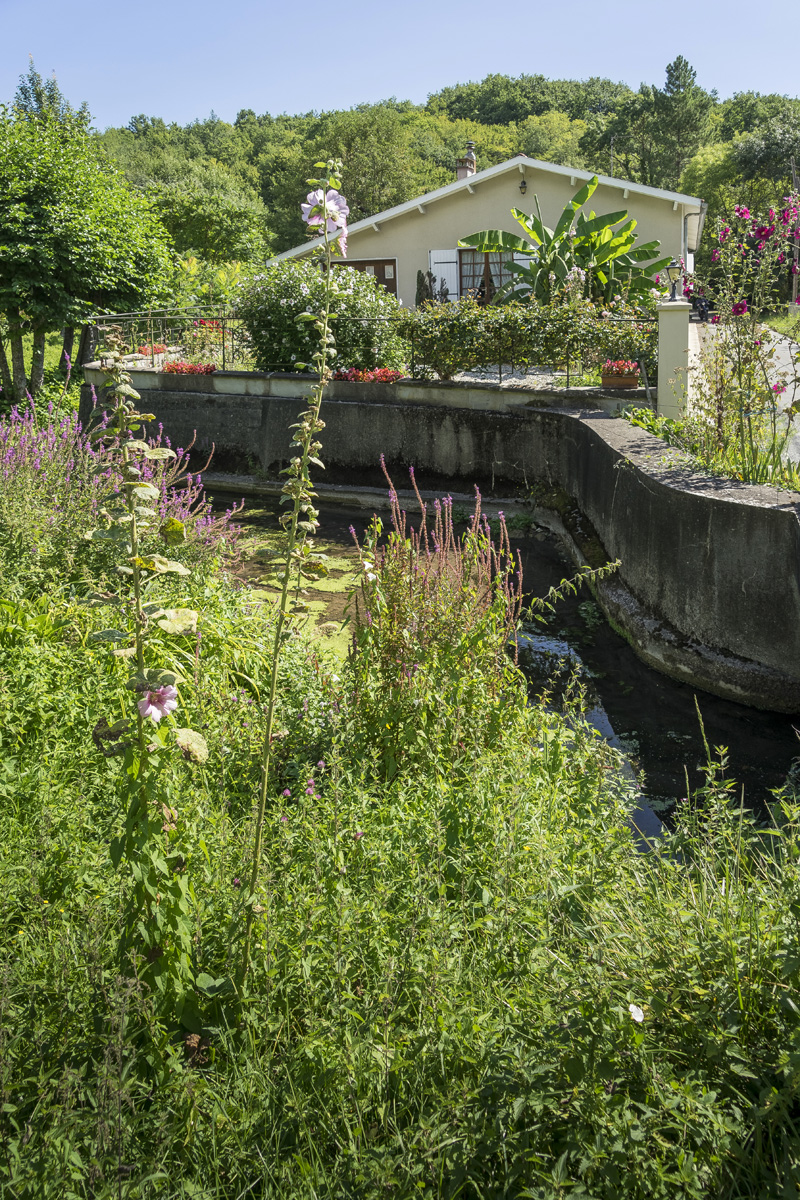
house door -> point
(384, 270)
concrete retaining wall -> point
(709, 584)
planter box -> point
(619, 381)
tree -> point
(767, 152)
(683, 111)
(208, 211)
(746, 112)
(552, 137)
(633, 133)
(73, 235)
(37, 97)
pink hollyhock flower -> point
(159, 703)
(715, 318)
(740, 308)
(330, 206)
(343, 242)
(778, 388)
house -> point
(423, 234)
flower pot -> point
(620, 381)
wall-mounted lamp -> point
(523, 185)
(673, 275)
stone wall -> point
(708, 587)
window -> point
(482, 274)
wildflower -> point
(159, 703)
(286, 793)
(284, 819)
(636, 1013)
(321, 765)
(237, 882)
(359, 833)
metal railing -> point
(196, 335)
(155, 337)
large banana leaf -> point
(495, 241)
(577, 201)
(593, 243)
(588, 228)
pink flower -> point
(740, 308)
(330, 206)
(357, 836)
(778, 388)
(343, 242)
(159, 703)
(715, 318)
(715, 254)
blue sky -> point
(179, 60)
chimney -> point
(466, 166)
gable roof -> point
(520, 162)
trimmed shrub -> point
(364, 330)
(445, 339)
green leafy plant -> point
(435, 618)
(156, 940)
(73, 234)
(327, 209)
(739, 415)
(270, 304)
(445, 339)
(607, 256)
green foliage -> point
(42, 98)
(449, 338)
(656, 131)
(607, 258)
(209, 212)
(72, 232)
(271, 303)
(447, 972)
(434, 620)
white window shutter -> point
(444, 265)
(524, 260)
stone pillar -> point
(673, 357)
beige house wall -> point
(441, 224)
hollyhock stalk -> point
(326, 209)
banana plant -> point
(607, 255)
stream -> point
(653, 717)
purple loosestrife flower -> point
(159, 703)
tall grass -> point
(465, 981)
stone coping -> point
(438, 392)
